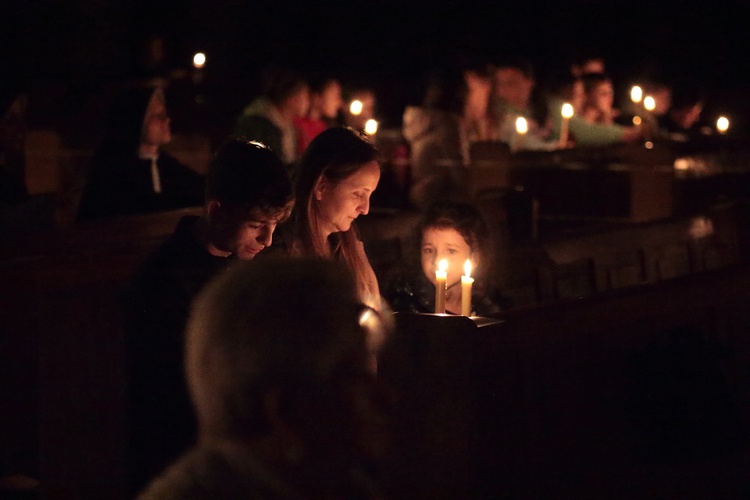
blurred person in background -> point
(325, 104)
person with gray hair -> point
(277, 364)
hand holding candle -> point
(466, 282)
(567, 114)
(441, 284)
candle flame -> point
(355, 107)
(467, 268)
(637, 120)
(371, 126)
(567, 110)
(443, 265)
(522, 125)
(649, 103)
(722, 124)
(199, 60)
(636, 94)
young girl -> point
(453, 232)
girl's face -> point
(342, 202)
(448, 244)
(602, 97)
(156, 130)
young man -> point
(248, 193)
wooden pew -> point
(639, 392)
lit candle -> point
(567, 114)
(522, 126)
(722, 124)
(199, 60)
(466, 282)
(371, 127)
(636, 94)
(356, 107)
(649, 103)
(441, 284)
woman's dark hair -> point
(593, 80)
(335, 154)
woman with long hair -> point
(333, 183)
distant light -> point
(199, 60)
(356, 107)
(649, 103)
(636, 94)
(722, 124)
(648, 145)
(637, 120)
(522, 125)
(371, 127)
(681, 164)
(567, 110)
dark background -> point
(387, 45)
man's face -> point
(156, 130)
(242, 234)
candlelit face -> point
(339, 203)
(156, 130)
(602, 97)
(329, 101)
(448, 244)
(236, 232)
(513, 87)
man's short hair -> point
(248, 174)
(280, 324)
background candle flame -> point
(567, 110)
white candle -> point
(466, 282)
(567, 114)
(522, 126)
(441, 283)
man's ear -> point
(320, 186)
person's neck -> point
(148, 151)
(206, 238)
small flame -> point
(636, 94)
(649, 103)
(199, 60)
(637, 120)
(567, 110)
(371, 127)
(522, 125)
(722, 124)
(355, 107)
(443, 265)
(467, 268)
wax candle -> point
(722, 124)
(567, 114)
(441, 283)
(522, 126)
(466, 282)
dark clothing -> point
(412, 292)
(120, 183)
(156, 304)
(229, 471)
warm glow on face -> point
(443, 266)
(567, 110)
(722, 124)
(199, 60)
(355, 108)
(521, 125)
(467, 268)
(371, 126)
(636, 120)
(649, 103)
(636, 94)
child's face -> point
(448, 244)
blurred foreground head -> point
(280, 349)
